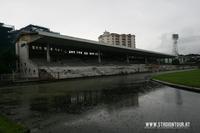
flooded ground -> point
(117, 104)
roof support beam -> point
(48, 53)
(99, 56)
(127, 59)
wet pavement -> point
(113, 104)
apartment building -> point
(126, 40)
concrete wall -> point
(26, 67)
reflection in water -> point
(81, 101)
(179, 99)
(111, 104)
(72, 102)
(73, 96)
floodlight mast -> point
(175, 44)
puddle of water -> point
(109, 104)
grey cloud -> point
(150, 20)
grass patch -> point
(7, 126)
(188, 78)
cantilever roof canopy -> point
(84, 44)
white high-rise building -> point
(126, 40)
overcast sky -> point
(152, 21)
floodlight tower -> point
(175, 45)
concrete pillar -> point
(164, 61)
(183, 60)
(48, 53)
(28, 50)
(127, 58)
(13, 76)
(99, 56)
(158, 61)
(146, 61)
(168, 60)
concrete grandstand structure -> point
(50, 55)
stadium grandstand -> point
(49, 55)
